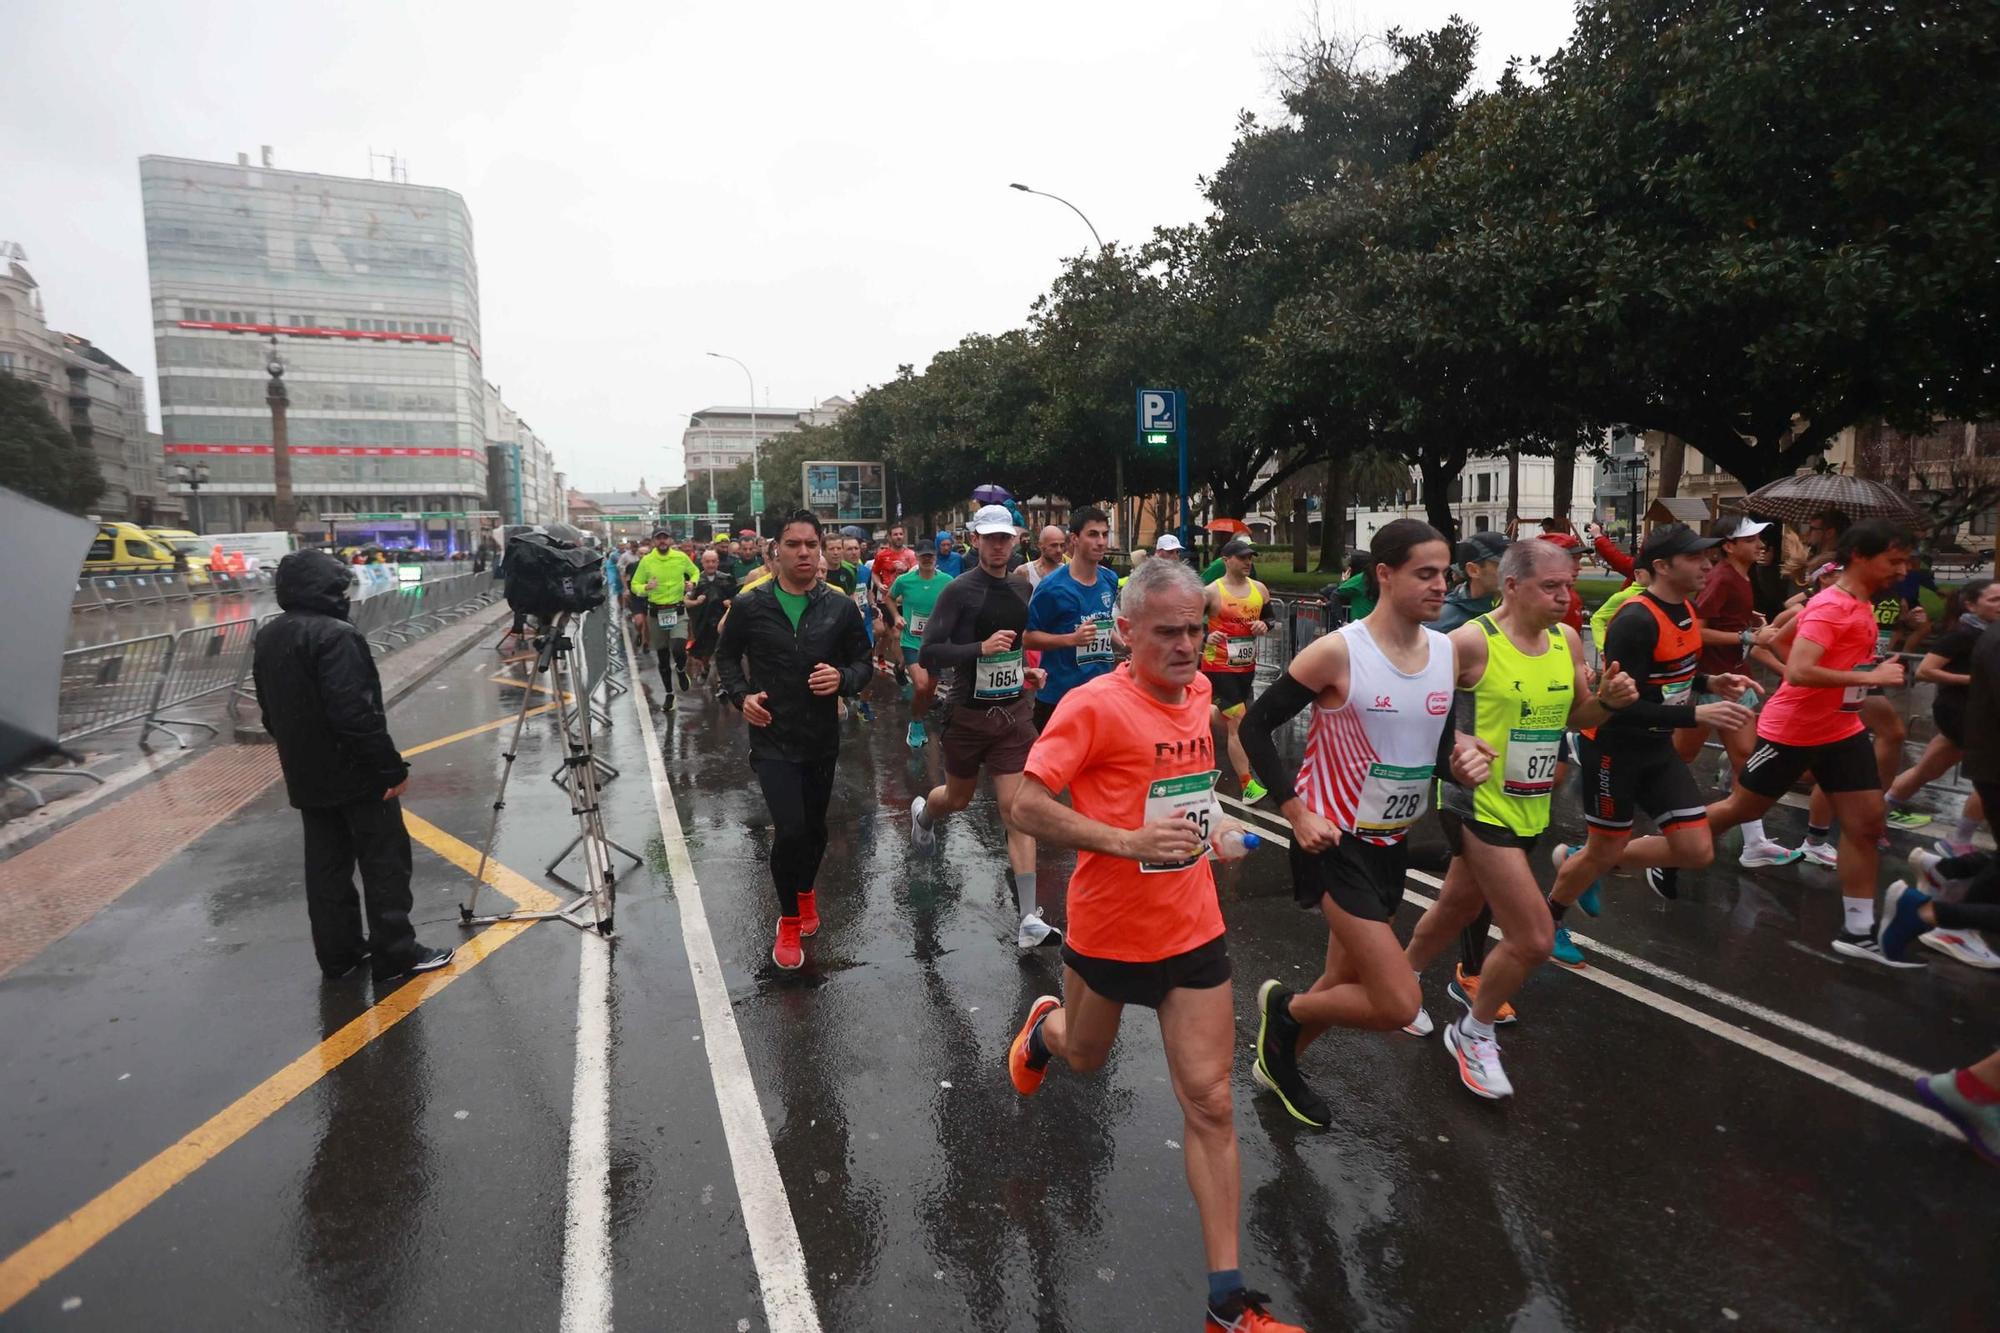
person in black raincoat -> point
(322, 704)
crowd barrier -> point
(103, 592)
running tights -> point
(1980, 908)
(672, 656)
(797, 792)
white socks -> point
(1753, 832)
(1860, 915)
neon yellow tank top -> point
(1234, 619)
(1523, 704)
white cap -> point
(993, 518)
(1745, 527)
(1167, 542)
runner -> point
(890, 563)
(1528, 683)
(1973, 606)
(1727, 606)
(789, 649)
(974, 634)
(661, 578)
(1135, 752)
(1071, 620)
(1380, 690)
(1813, 723)
(1168, 547)
(1630, 762)
(1235, 604)
(709, 602)
(1053, 545)
(912, 597)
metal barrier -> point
(85, 597)
(245, 686)
(204, 661)
(110, 684)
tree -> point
(38, 458)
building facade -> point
(1479, 498)
(368, 292)
(718, 439)
(520, 468)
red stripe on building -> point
(325, 451)
(304, 331)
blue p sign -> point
(1156, 410)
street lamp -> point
(194, 477)
(1066, 204)
(284, 514)
(757, 514)
(1637, 468)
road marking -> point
(1784, 1055)
(767, 1212)
(586, 1289)
(67, 1241)
(479, 730)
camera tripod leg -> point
(544, 661)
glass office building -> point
(371, 293)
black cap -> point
(1240, 546)
(1481, 547)
(925, 546)
(1672, 539)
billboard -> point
(845, 492)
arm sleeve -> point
(1272, 709)
(1612, 556)
(939, 653)
(347, 684)
(1630, 642)
(729, 656)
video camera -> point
(547, 574)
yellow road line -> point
(536, 685)
(68, 1240)
(482, 728)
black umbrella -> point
(1802, 498)
(44, 549)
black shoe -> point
(1665, 881)
(339, 973)
(682, 675)
(421, 959)
(1276, 1066)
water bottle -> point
(1233, 844)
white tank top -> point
(1369, 763)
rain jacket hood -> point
(314, 581)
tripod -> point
(556, 654)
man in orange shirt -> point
(1134, 750)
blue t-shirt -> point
(1059, 605)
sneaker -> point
(681, 677)
(1478, 1063)
(1903, 817)
(1244, 1312)
(1591, 901)
(1951, 850)
(341, 973)
(1036, 933)
(1980, 1124)
(1962, 946)
(1900, 922)
(788, 953)
(1767, 853)
(422, 959)
(1665, 881)
(1865, 946)
(1025, 1076)
(1563, 852)
(1564, 950)
(1276, 1066)
(916, 736)
(1254, 791)
(922, 840)
(1821, 853)
(809, 912)
(1465, 990)
(1421, 1025)
(865, 710)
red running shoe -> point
(787, 952)
(1027, 1078)
(1244, 1312)
(809, 912)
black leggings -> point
(674, 655)
(798, 793)
(1980, 908)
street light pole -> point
(194, 476)
(283, 511)
(757, 515)
(1066, 204)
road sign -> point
(713, 508)
(757, 496)
(1163, 415)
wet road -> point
(1710, 1125)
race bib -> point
(1191, 798)
(917, 624)
(1852, 695)
(1099, 648)
(1242, 652)
(1392, 798)
(667, 617)
(1531, 762)
(998, 676)
(1676, 692)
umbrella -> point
(856, 531)
(1235, 525)
(1800, 498)
(990, 494)
(44, 549)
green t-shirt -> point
(1216, 569)
(919, 597)
(794, 603)
(1359, 603)
(1600, 623)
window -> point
(1479, 524)
(1484, 484)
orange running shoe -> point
(1244, 1312)
(1465, 990)
(809, 912)
(1027, 1078)
(788, 953)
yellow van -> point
(191, 544)
(126, 548)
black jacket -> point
(317, 687)
(761, 652)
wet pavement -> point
(1717, 1134)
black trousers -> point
(798, 793)
(1980, 908)
(369, 835)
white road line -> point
(767, 1212)
(1784, 1055)
(586, 1289)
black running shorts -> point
(1842, 766)
(1203, 967)
(1637, 775)
(1364, 879)
(1457, 826)
(1231, 688)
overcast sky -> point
(819, 189)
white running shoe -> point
(1767, 853)
(1421, 1025)
(1962, 946)
(1821, 853)
(1036, 933)
(923, 840)
(1478, 1063)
